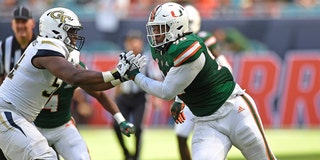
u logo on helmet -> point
(174, 15)
(60, 15)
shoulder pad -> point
(186, 49)
(54, 45)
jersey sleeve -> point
(52, 47)
(209, 39)
(186, 51)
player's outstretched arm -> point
(64, 70)
(176, 80)
(126, 127)
(107, 103)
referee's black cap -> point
(22, 13)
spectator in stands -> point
(7, 7)
(301, 8)
(206, 7)
(37, 6)
(109, 14)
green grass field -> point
(160, 144)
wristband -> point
(119, 117)
(115, 74)
(107, 76)
(116, 82)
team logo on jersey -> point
(240, 109)
(60, 15)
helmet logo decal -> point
(60, 15)
(174, 15)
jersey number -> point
(11, 73)
(52, 103)
(181, 39)
(56, 84)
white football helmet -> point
(171, 18)
(194, 18)
(62, 24)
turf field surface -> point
(161, 144)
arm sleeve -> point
(177, 79)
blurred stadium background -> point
(276, 59)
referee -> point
(13, 46)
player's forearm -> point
(66, 71)
(107, 103)
(110, 106)
(85, 78)
(153, 87)
(177, 79)
(98, 80)
(97, 87)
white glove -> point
(125, 60)
(140, 61)
(129, 56)
(116, 76)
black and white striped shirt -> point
(10, 52)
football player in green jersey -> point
(184, 130)
(224, 114)
(57, 125)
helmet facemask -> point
(157, 34)
(73, 40)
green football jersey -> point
(212, 86)
(57, 111)
(209, 39)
